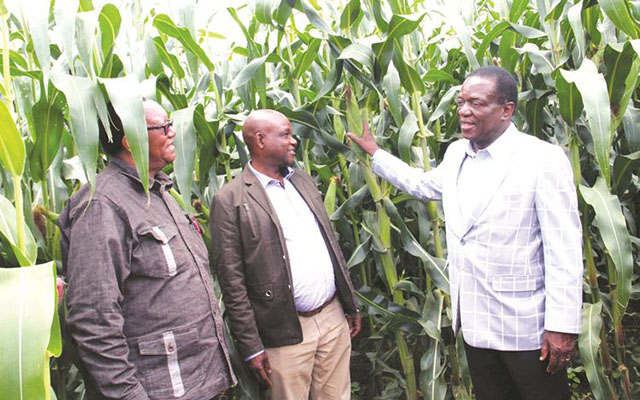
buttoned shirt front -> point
(141, 305)
(311, 266)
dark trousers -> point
(514, 375)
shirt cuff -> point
(251, 357)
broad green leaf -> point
(445, 103)
(25, 329)
(307, 58)
(109, 21)
(185, 144)
(378, 15)
(432, 366)
(409, 78)
(401, 25)
(164, 24)
(354, 121)
(541, 59)
(313, 16)
(528, 32)
(351, 203)
(331, 81)
(358, 52)
(65, 13)
(462, 30)
(360, 254)
(496, 31)
(167, 58)
(405, 136)
(618, 13)
(534, 109)
(263, 11)
(36, 13)
(593, 88)
(508, 56)
(589, 345)
(623, 166)
(575, 20)
(127, 102)
(153, 58)
(618, 62)
(569, 100)
(9, 230)
(391, 85)
(516, 10)
(631, 123)
(613, 231)
(86, 26)
(49, 124)
(330, 196)
(12, 151)
(281, 15)
(80, 94)
(350, 14)
(245, 75)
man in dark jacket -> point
(281, 270)
(142, 310)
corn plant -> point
(329, 66)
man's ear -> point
(260, 140)
(509, 110)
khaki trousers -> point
(317, 368)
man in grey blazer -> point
(281, 270)
(514, 240)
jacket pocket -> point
(157, 252)
(516, 283)
(170, 362)
(261, 291)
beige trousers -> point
(317, 368)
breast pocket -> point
(156, 252)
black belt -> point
(311, 313)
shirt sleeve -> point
(557, 212)
(415, 181)
(97, 264)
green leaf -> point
(593, 88)
(445, 103)
(109, 22)
(245, 75)
(165, 25)
(12, 151)
(391, 85)
(496, 31)
(464, 36)
(48, 124)
(534, 109)
(283, 12)
(574, 15)
(127, 102)
(401, 25)
(167, 58)
(618, 13)
(409, 78)
(25, 328)
(623, 167)
(618, 62)
(516, 10)
(9, 231)
(613, 230)
(36, 13)
(65, 15)
(263, 11)
(358, 52)
(185, 144)
(589, 344)
(314, 17)
(350, 14)
(331, 81)
(307, 58)
(81, 94)
(405, 136)
(351, 203)
(86, 26)
(631, 122)
(154, 63)
(569, 100)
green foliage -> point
(402, 64)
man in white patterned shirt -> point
(514, 240)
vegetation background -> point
(327, 65)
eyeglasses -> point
(164, 127)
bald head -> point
(267, 134)
(259, 120)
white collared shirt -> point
(311, 265)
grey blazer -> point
(253, 267)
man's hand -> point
(355, 323)
(261, 368)
(367, 142)
(559, 348)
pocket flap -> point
(166, 343)
(261, 291)
(516, 283)
(160, 233)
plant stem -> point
(17, 194)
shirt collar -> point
(160, 182)
(266, 180)
(500, 147)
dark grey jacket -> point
(141, 306)
(252, 263)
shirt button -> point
(171, 348)
(284, 257)
(463, 242)
(268, 293)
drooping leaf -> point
(164, 24)
(401, 25)
(127, 102)
(405, 137)
(391, 85)
(631, 122)
(9, 230)
(350, 14)
(613, 231)
(36, 13)
(49, 123)
(109, 22)
(263, 11)
(589, 344)
(623, 167)
(307, 58)
(245, 75)
(569, 100)
(86, 26)
(185, 145)
(618, 62)
(593, 88)
(65, 13)
(618, 13)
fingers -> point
(355, 324)
(261, 368)
(544, 352)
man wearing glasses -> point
(141, 306)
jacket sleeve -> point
(97, 263)
(228, 261)
(557, 211)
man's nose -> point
(464, 109)
(171, 131)
(294, 142)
